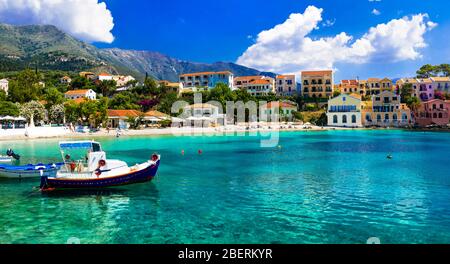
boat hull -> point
(141, 176)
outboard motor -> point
(11, 153)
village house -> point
(173, 87)
(65, 80)
(285, 85)
(203, 81)
(345, 111)
(122, 81)
(87, 75)
(386, 110)
(261, 87)
(317, 84)
(348, 87)
(79, 94)
(104, 77)
(433, 112)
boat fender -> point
(73, 166)
(98, 171)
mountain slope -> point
(50, 48)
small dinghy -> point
(29, 171)
(4, 159)
(86, 167)
(10, 155)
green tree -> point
(107, 88)
(8, 109)
(166, 103)
(124, 100)
(25, 88)
(406, 92)
(151, 87)
(413, 103)
(72, 111)
(79, 83)
(427, 71)
(53, 97)
(336, 93)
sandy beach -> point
(65, 133)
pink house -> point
(433, 112)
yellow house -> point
(386, 110)
(317, 84)
(377, 85)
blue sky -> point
(210, 31)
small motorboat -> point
(29, 171)
(10, 156)
(86, 167)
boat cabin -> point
(82, 156)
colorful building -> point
(261, 87)
(203, 81)
(345, 111)
(285, 85)
(441, 84)
(433, 112)
(348, 87)
(421, 88)
(317, 84)
(386, 110)
(173, 87)
(377, 86)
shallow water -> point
(320, 187)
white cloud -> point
(376, 12)
(288, 48)
(89, 20)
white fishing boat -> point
(86, 167)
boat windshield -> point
(76, 154)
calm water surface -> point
(320, 187)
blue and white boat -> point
(86, 167)
(29, 171)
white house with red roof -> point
(105, 77)
(278, 111)
(77, 94)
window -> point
(394, 117)
(368, 118)
(335, 119)
(354, 119)
(344, 119)
(440, 115)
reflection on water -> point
(327, 187)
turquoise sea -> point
(319, 187)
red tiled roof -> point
(124, 113)
(260, 81)
(317, 72)
(77, 92)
